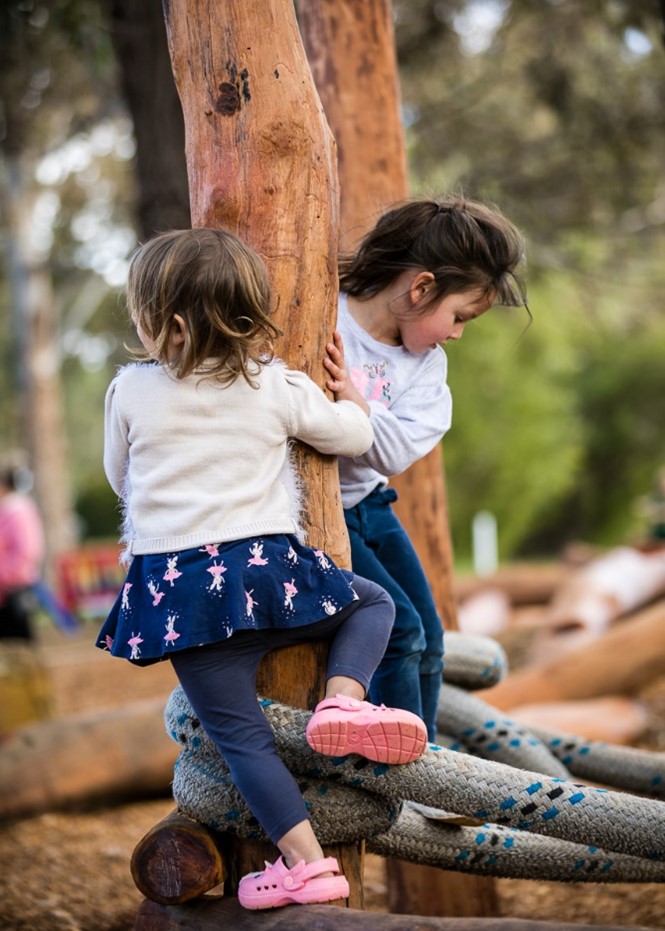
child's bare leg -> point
(300, 843)
(343, 685)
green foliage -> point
(98, 512)
(515, 445)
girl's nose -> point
(456, 332)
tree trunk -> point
(351, 50)
(39, 361)
(139, 39)
(261, 162)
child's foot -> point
(277, 885)
(342, 725)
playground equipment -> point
(491, 798)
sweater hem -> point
(142, 547)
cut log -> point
(612, 719)
(609, 586)
(214, 913)
(114, 754)
(178, 859)
(620, 662)
(524, 584)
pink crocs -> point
(277, 885)
(342, 725)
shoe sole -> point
(380, 741)
(340, 890)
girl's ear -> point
(421, 284)
(178, 330)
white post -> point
(485, 544)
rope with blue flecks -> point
(492, 798)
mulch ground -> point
(70, 871)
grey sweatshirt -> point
(410, 402)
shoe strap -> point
(325, 865)
(345, 702)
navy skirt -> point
(173, 601)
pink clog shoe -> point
(277, 885)
(342, 725)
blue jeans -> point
(410, 673)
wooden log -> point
(177, 860)
(524, 584)
(215, 913)
(261, 162)
(620, 662)
(351, 49)
(612, 585)
(112, 754)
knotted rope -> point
(527, 822)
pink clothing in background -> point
(21, 543)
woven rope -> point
(491, 850)
(522, 820)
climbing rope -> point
(497, 800)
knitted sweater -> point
(410, 406)
(197, 462)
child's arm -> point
(116, 447)
(340, 381)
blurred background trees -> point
(551, 109)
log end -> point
(176, 861)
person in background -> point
(21, 555)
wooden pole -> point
(261, 162)
(351, 49)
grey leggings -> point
(219, 680)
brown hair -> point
(466, 246)
(219, 286)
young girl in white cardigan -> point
(196, 446)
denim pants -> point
(410, 673)
(219, 680)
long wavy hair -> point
(219, 287)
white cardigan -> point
(195, 462)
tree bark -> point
(351, 49)
(261, 162)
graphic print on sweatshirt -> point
(371, 380)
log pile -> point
(600, 639)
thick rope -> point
(491, 850)
(525, 820)
(492, 793)
(467, 724)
